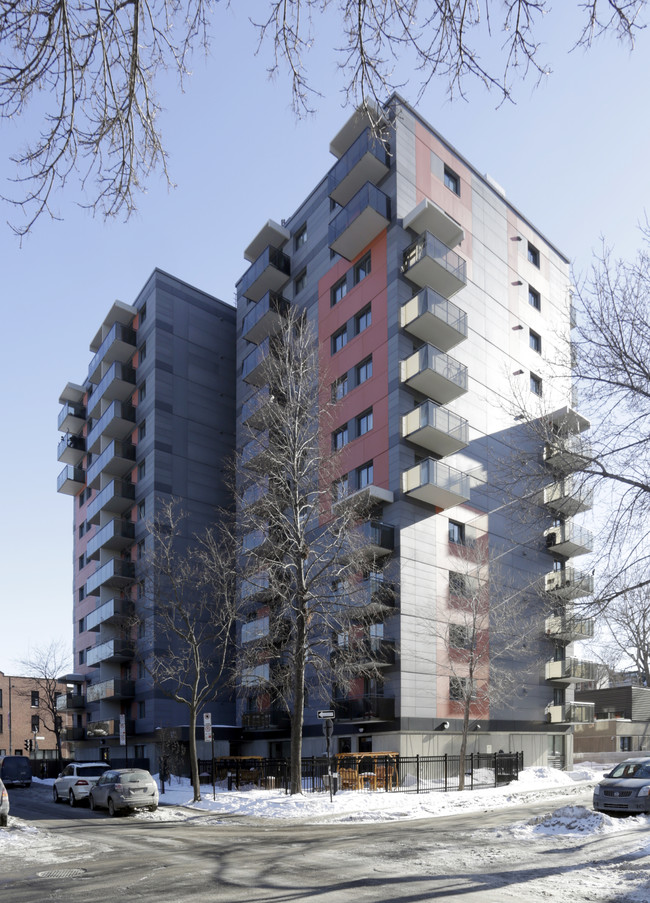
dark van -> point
(15, 771)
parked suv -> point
(626, 788)
(122, 789)
(75, 781)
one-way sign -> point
(325, 713)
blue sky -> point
(571, 155)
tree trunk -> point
(298, 714)
(194, 765)
(463, 745)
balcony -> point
(568, 497)
(569, 583)
(100, 730)
(71, 480)
(119, 345)
(436, 484)
(110, 689)
(255, 587)
(70, 702)
(116, 422)
(272, 719)
(435, 374)
(269, 273)
(378, 538)
(572, 713)
(434, 319)
(116, 498)
(375, 652)
(436, 429)
(71, 418)
(115, 650)
(72, 734)
(429, 217)
(117, 384)
(571, 670)
(373, 600)
(366, 160)
(116, 535)
(253, 409)
(116, 573)
(117, 460)
(365, 708)
(429, 262)
(361, 220)
(265, 319)
(567, 457)
(362, 499)
(569, 540)
(567, 628)
(254, 453)
(255, 366)
(112, 612)
(71, 450)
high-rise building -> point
(153, 420)
(442, 313)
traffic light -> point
(27, 744)
(31, 745)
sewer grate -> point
(62, 873)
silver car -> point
(75, 781)
(124, 789)
(4, 806)
(626, 788)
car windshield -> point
(134, 777)
(91, 771)
(631, 770)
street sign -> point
(325, 713)
(207, 727)
(122, 730)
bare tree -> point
(191, 594)
(307, 560)
(45, 666)
(624, 640)
(97, 68)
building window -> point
(339, 339)
(142, 392)
(535, 341)
(340, 388)
(140, 592)
(364, 370)
(364, 475)
(142, 353)
(362, 269)
(459, 688)
(141, 550)
(300, 282)
(533, 255)
(338, 291)
(534, 298)
(141, 629)
(1, 725)
(456, 533)
(340, 489)
(36, 723)
(142, 430)
(81, 562)
(142, 314)
(0, 698)
(364, 422)
(626, 744)
(459, 636)
(34, 699)
(82, 527)
(141, 672)
(142, 469)
(300, 238)
(340, 438)
(362, 320)
(452, 181)
(81, 593)
(141, 709)
(81, 656)
(82, 625)
(535, 384)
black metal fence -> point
(376, 772)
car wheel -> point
(71, 799)
(91, 802)
(3, 821)
(111, 807)
(55, 795)
(152, 808)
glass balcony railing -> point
(115, 610)
(434, 319)
(270, 272)
(435, 428)
(111, 689)
(255, 365)
(117, 459)
(366, 160)
(378, 536)
(117, 534)
(117, 497)
(365, 708)
(71, 417)
(100, 730)
(436, 483)
(71, 480)
(569, 539)
(434, 373)
(116, 423)
(361, 220)
(569, 583)
(571, 669)
(266, 317)
(429, 262)
(70, 702)
(114, 650)
(119, 344)
(117, 383)
(115, 572)
(71, 449)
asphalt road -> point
(243, 860)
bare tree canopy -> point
(45, 666)
(625, 641)
(95, 70)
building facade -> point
(151, 421)
(621, 727)
(26, 723)
(442, 314)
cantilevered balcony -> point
(266, 318)
(111, 689)
(254, 455)
(572, 713)
(72, 734)
(567, 456)
(361, 220)
(119, 345)
(116, 422)
(111, 612)
(571, 670)
(115, 650)
(365, 161)
(429, 262)
(435, 428)
(427, 216)
(568, 497)
(367, 651)
(434, 373)
(252, 410)
(378, 538)
(255, 366)
(434, 319)
(364, 499)
(71, 418)
(271, 719)
(115, 573)
(71, 480)
(117, 384)
(116, 498)
(569, 539)
(71, 449)
(117, 460)
(101, 730)
(269, 273)
(116, 535)
(569, 583)
(70, 702)
(436, 483)
(567, 628)
(365, 708)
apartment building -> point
(152, 420)
(442, 313)
(26, 724)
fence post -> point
(496, 757)
(446, 771)
(417, 774)
(471, 771)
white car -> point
(75, 781)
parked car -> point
(4, 806)
(124, 789)
(626, 788)
(15, 771)
(75, 781)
